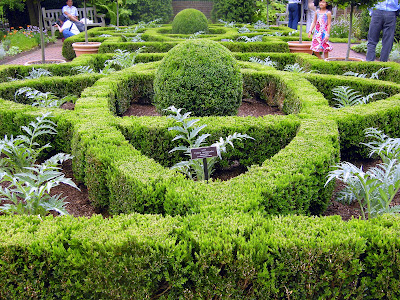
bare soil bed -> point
(249, 107)
(79, 204)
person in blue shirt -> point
(70, 11)
(383, 18)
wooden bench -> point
(50, 16)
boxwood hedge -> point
(255, 236)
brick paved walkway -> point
(340, 49)
(53, 51)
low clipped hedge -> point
(109, 184)
(60, 86)
(158, 40)
(240, 257)
(235, 239)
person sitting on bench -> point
(70, 11)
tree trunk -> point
(301, 22)
(85, 16)
(117, 14)
(350, 31)
(33, 12)
(42, 44)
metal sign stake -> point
(205, 169)
(203, 153)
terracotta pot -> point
(83, 48)
(343, 59)
(47, 61)
(297, 47)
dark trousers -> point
(294, 15)
(384, 21)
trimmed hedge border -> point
(203, 256)
(198, 240)
(160, 39)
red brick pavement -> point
(53, 51)
(340, 49)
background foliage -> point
(242, 11)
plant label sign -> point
(203, 152)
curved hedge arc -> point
(218, 246)
(160, 40)
(109, 189)
(104, 90)
(176, 203)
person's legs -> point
(290, 13)
(375, 27)
(293, 15)
(318, 54)
(66, 33)
(389, 27)
(296, 16)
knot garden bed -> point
(170, 237)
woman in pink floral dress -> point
(322, 25)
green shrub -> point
(340, 26)
(200, 76)
(365, 19)
(243, 11)
(216, 256)
(189, 21)
(148, 10)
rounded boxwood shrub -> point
(200, 76)
(189, 21)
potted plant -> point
(352, 3)
(300, 45)
(85, 47)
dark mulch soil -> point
(79, 203)
(68, 106)
(249, 107)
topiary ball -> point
(200, 76)
(189, 21)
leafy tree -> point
(31, 5)
(241, 11)
(112, 8)
(364, 4)
(133, 11)
(149, 10)
(13, 4)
